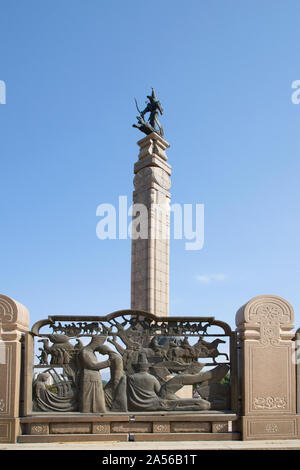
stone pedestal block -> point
(266, 368)
(14, 322)
(155, 426)
(150, 247)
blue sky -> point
(223, 71)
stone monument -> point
(151, 197)
(267, 369)
(51, 387)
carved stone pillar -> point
(150, 250)
(14, 322)
(267, 369)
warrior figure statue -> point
(154, 108)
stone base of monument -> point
(9, 430)
(267, 427)
(171, 426)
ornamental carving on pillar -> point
(272, 428)
(39, 429)
(13, 315)
(6, 310)
(2, 405)
(270, 316)
(270, 403)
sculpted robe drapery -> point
(144, 393)
(45, 400)
(92, 398)
(142, 390)
(116, 373)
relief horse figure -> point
(206, 349)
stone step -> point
(138, 437)
(28, 438)
(186, 436)
(134, 416)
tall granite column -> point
(150, 246)
(267, 368)
(14, 322)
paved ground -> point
(192, 445)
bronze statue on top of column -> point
(154, 108)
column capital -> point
(267, 318)
(13, 315)
(154, 145)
